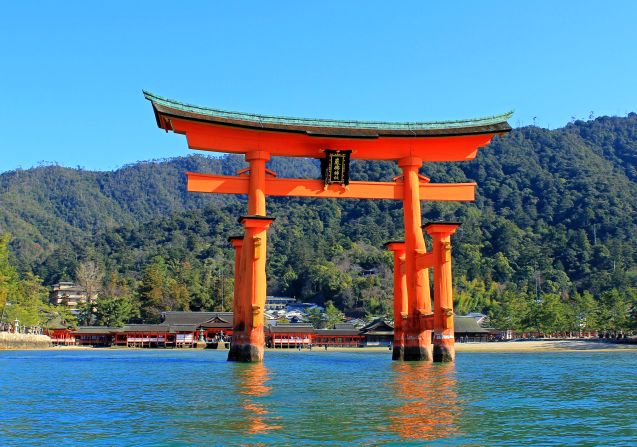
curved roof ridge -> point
(321, 122)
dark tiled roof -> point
(292, 329)
(217, 323)
(314, 126)
(179, 317)
(82, 330)
(338, 332)
(56, 326)
(467, 325)
(146, 328)
(379, 332)
(174, 328)
(294, 324)
(55, 322)
(344, 326)
(378, 326)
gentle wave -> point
(184, 398)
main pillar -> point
(238, 324)
(247, 345)
(444, 345)
(400, 298)
(256, 191)
(417, 337)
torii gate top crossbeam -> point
(234, 132)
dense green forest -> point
(548, 245)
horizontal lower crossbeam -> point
(227, 184)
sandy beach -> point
(524, 346)
(511, 346)
(514, 346)
(544, 346)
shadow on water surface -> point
(429, 407)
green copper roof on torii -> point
(495, 123)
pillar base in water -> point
(444, 353)
(398, 353)
(416, 348)
(245, 352)
(417, 354)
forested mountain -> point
(554, 224)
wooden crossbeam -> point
(225, 184)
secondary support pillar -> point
(417, 337)
(248, 344)
(444, 344)
(238, 323)
(400, 298)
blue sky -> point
(71, 73)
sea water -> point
(196, 398)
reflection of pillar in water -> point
(429, 408)
(253, 380)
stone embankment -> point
(9, 340)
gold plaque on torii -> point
(335, 167)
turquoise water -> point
(183, 398)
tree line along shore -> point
(549, 245)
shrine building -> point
(206, 329)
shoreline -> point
(545, 346)
(486, 347)
(12, 341)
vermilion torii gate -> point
(260, 137)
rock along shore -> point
(9, 340)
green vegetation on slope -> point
(548, 245)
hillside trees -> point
(114, 311)
(8, 274)
(179, 285)
(555, 215)
(89, 276)
(22, 297)
(333, 315)
(116, 304)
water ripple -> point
(184, 398)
